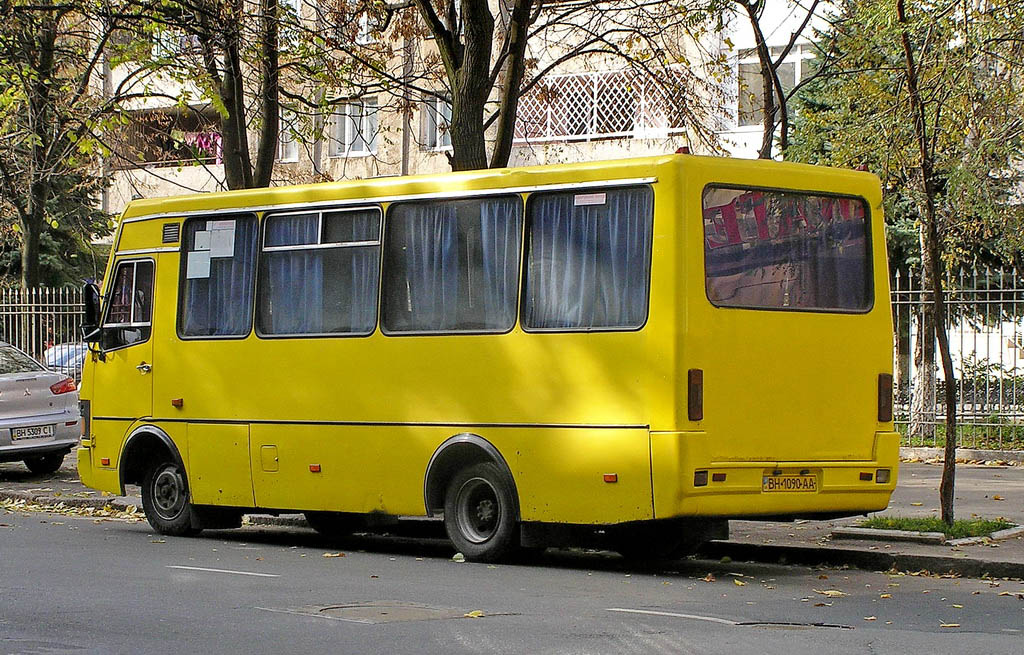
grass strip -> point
(960, 528)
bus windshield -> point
(786, 250)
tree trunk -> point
(922, 410)
(270, 108)
(930, 241)
(512, 79)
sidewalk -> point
(800, 542)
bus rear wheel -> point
(479, 513)
(165, 500)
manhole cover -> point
(389, 612)
(374, 612)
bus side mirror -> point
(91, 326)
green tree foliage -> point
(930, 96)
(49, 158)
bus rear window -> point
(786, 250)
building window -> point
(130, 308)
(452, 266)
(287, 145)
(218, 275)
(601, 105)
(750, 90)
(353, 128)
(435, 123)
(588, 260)
(319, 272)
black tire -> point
(45, 464)
(165, 500)
(333, 525)
(479, 513)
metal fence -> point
(986, 335)
(985, 322)
(41, 319)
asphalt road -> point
(74, 585)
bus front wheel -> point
(478, 513)
(165, 500)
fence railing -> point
(985, 323)
(37, 320)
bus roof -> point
(641, 168)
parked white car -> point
(66, 358)
(38, 412)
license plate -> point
(788, 483)
(32, 432)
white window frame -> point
(340, 141)
(287, 144)
(798, 55)
(432, 137)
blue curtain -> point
(322, 290)
(291, 290)
(452, 266)
(221, 304)
(588, 264)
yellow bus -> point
(634, 350)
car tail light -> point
(67, 385)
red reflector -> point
(695, 394)
(67, 385)
(314, 468)
(70, 422)
(611, 477)
(177, 402)
(884, 398)
(718, 477)
(866, 477)
(104, 461)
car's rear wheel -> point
(45, 464)
(165, 499)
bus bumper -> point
(688, 483)
(103, 479)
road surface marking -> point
(199, 568)
(695, 617)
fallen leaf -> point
(158, 541)
(475, 614)
(870, 618)
(334, 554)
(959, 607)
(739, 583)
(916, 504)
(823, 577)
(458, 557)
(830, 593)
(710, 577)
(949, 625)
(885, 596)
(997, 497)
(823, 604)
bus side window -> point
(218, 275)
(588, 257)
(130, 307)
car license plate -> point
(32, 432)
(785, 483)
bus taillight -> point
(884, 398)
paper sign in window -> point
(202, 241)
(198, 265)
(584, 199)
(222, 243)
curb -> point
(862, 559)
(972, 454)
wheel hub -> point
(169, 493)
(478, 510)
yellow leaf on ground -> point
(886, 596)
(475, 614)
(831, 593)
(997, 497)
(949, 625)
(870, 618)
(739, 583)
(708, 578)
(916, 504)
(334, 554)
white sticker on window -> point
(222, 225)
(583, 199)
(222, 243)
(198, 265)
(202, 241)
